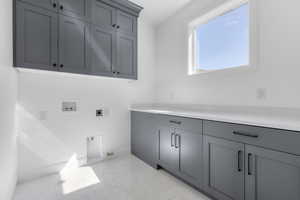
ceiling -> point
(159, 10)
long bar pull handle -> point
(249, 164)
(240, 153)
(245, 134)
(172, 140)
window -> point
(221, 39)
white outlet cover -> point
(261, 93)
(43, 115)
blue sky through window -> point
(223, 42)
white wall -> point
(277, 72)
(45, 145)
(8, 88)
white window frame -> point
(221, 10)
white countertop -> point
(279, 118)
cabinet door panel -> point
(76, 8)
(126, 56)
(169, 154)
(74, 45)
(103, 51)
(127, 24)
(191, 144)
(36, 37)
(144, 137)
(104, 15)
(224, 169)
(271, 175)
(48, 4)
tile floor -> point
(125, 178)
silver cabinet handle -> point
(177, 141)
(240, 153)
(172, 140)
(250, 164)
(175, 122)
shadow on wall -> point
(38, 147)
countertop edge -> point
(268, 124)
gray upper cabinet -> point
(122, 27)
(126, 23)
(271, 175)
(48, 4)
(36, 38)
(96, 37)
(224, 168)
(80, 9)
(74, 45)
(104, 16)
(126, 66)
(103, 51)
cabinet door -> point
(126, 66)
(36, 38)
(80, 9)
(144, 137)
(126, 23)
(271, 175)
(103, 51)
(74, 49)
(104, 16)
(48, 4)
(168, 152)
(224, 170)
(191, 144)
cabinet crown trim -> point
(136, 9)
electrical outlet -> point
(43, 115)
(261, 93)
(110, 154)
(100, 113)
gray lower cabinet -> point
(271, 175)
(36, 38)
(168, 150)
(191, 155)
(181, 148)
(230, 162)
(224, 168)
(225, 162)
(144, 137)
(74, 45)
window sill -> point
(225, 70)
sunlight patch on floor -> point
(75, 178)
